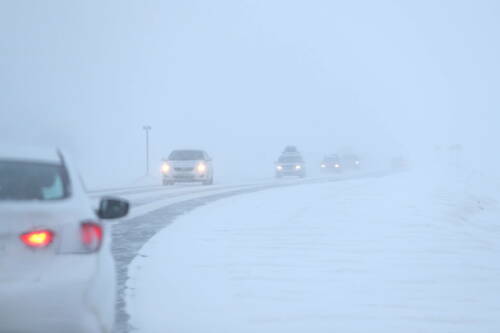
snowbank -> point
(405, 253)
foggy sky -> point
(242, 79)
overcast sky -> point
(242, 79)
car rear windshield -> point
(186, 155)
(290, 159)
(22, 181)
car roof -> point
(190, 150)
(29, 153)
(290, 153)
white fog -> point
(409, 88)
(242, 79)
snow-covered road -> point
(392, 254)
(154, 207)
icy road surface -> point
(392, 254)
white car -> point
(56, 269)
(188, 166)
(290, 164)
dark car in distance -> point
(331, 163)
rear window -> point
(290, 159)
(24, 181)
(186, 155)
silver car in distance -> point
(188, 166)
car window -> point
(22, 181)
(186, 155)
(290, 159)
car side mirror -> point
(112, 208)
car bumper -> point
(186, 177)
(60, 300)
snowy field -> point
(403, 253)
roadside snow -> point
(394, 254)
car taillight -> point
(92, 234)
(37, 238)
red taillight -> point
(91, 235)
(38, 238)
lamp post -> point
(147, 128)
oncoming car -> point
(290, 164)
(56, 269)
(331, 163)
(188, 166)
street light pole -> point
(147, 129)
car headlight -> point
(323, 165)
(357, 162)
(337, 165)
(298, 167)
(201, 168)
(279, 167)
(165, 168)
